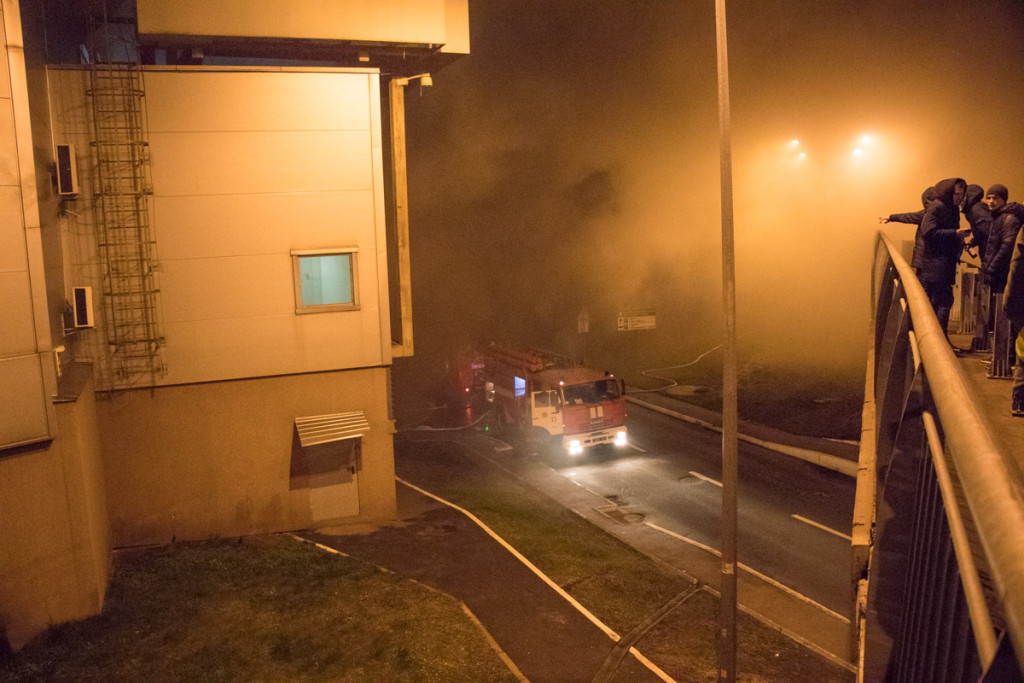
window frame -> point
(298, 254)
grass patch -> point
(684, 645)
(267, 608)
(616, 583)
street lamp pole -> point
(727, 615)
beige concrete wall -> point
(247, 165)
(205, 460)
(427, 22)
(27, 373)
(54, 536)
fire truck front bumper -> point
(577, 443)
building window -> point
(325, 280)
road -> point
(793, 517)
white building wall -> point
(27, 375)
(247, 166)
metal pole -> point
(727, 616)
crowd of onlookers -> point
(992, 234)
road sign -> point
(642, 319)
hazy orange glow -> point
(572, 163)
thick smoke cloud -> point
(571, 162)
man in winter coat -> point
(938, 244)
(913, 217)
(979, 217)
(1013, 307)
(1006, 221)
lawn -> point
(268, 608)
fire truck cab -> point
(583, 407)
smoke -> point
(570, 163)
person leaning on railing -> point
(1013, 307)
(937, 246)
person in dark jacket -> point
(1013, 308)
(979, 217)
(913, 217)
(938, 244)
(1006, 221)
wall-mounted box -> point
(67, 171)
(82, 305)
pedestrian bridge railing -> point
(938, 534)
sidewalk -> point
(545, 635)
(992, 396)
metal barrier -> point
(939, 522)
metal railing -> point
(939, 521)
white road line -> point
(707, 479)
(822, 527)
(615, 637)
(636, 448)
(763, 577)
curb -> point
(826, 460)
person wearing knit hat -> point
(1006, 222)
(999, 191)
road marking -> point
(707, 479)
(636, 448)
(763, 577)
(822, 527)
(615, 637)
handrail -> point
(984, 634)
(988, 484)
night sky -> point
(571, 162)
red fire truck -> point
(537, 389)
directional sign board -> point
(642, 319)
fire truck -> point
(533, 390)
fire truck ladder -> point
(125, 247)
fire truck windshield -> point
(592, 392)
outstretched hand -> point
(883, 219)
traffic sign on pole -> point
(640, 319)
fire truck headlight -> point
(575, 447)
(620, 438)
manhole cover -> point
(622, 515)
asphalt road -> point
(793, 518)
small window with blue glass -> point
(325, 280)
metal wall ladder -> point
(125, 245)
